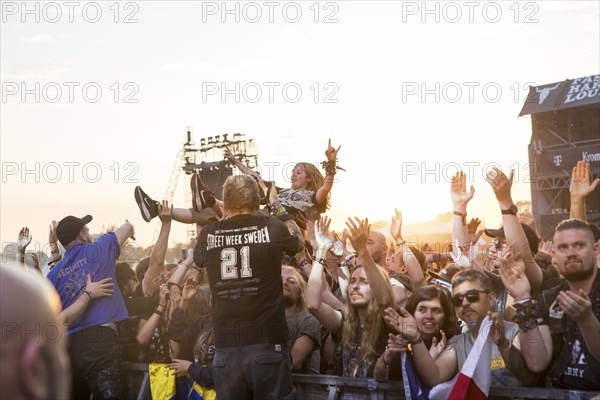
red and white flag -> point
(473, 380)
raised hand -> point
(52, 238)
(132, 236)
(229, 155)
(403, 323)
(331, 152)
(437, 347)
(496, 333)
(102, 288)
(163, 294)
(396, 344)
(512, 273)
(458, 190)
(23, 239)
(165, 212)
(322, 237)
(474, 235)
(501, 185)
(580, 180)
(547, 247)
(396, 225)
(359, 232)
(338, 248)
(578, 306)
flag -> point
(162, 381)
(473, 380)
(198, 392)
(414, 389)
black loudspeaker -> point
(214, 174)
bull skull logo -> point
(545, 92)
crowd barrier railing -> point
(328, 387)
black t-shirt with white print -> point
(242, 256)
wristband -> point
(462, 215)
(160, 313)
(522, 301)
(417, 341)
(400, 242)
(321, 261)
(88, 294)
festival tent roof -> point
(563, 95)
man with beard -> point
(304, 330)
(473, 299)
(561, 326)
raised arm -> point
(460, 199)
(431, 372)
(580, 188)
(330, 170)
(23, 241)
(536, 341)
(147, 327)
(125, 232)
(330, 319)
(244, 169)
(157, 257)
(413, 268)
(501, 184)
(53, 242)
(182, 268)
(380, 286)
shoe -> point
(148, 207)
(201, 197)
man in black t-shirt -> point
(242, 256)
(561, 326)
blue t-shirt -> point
(69, 277)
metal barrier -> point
(327, 387)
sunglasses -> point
(472, 296)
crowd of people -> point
(269, 290)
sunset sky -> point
(93, 107)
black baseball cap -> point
(69, 227)
(532, 236)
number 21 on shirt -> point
(229, 260)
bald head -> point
(377, 247)
(33, 359)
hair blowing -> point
(315, 179)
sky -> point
(97, 96)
